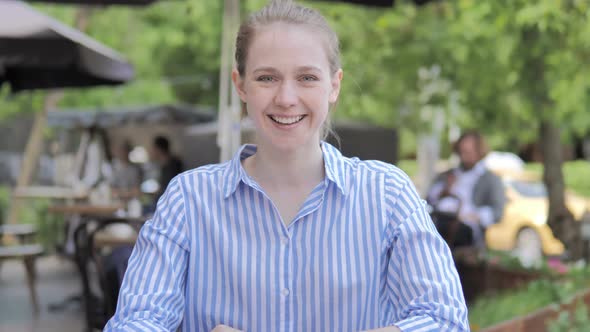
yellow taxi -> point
(523, 229)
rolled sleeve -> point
(152, 293)
(422, 281)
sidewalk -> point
(56, 280)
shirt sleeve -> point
(152, 294)
(422, 281)
(436, 189)
(486, 216)
(497, 197)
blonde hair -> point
(286, 11)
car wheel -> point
(528, 248)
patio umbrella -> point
(135, 116)
(38, 52)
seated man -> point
(471, 193)
(170, 165)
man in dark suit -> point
(471, 193)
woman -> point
(290, 235)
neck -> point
(164, 158)
(467, 168)
(275, 169)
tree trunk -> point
(560, 219)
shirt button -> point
(285, 292)
(284, 240)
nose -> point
(286, 95)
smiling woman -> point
(290, 235)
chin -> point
(290, 144)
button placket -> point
(287, 276)
(285, 292)
(284, 241)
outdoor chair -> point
(23, 249)
(93, 250)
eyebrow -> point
(264, 69)
(309, 68)
(299, 69)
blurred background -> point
(416, 75)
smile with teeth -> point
(286, 120)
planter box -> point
(479, 278)
(538, 320)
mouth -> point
(286, 120)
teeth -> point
(286, 120)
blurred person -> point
(92, 160)
(169, 165)
(469, 192)
(126, 177)
(91, 169)
(290, 235)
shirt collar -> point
(478, 169)
(235, 173)
(334, 165)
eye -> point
(265, 78)
(308, 78)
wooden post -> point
(32, 152)
(229, 134)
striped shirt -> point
(361, 253)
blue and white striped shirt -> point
(361, 253)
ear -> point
(238, 84)
(336, 80)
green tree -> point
(539, 53)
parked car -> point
(523, 229)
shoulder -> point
(489, 176)
(395, 179)
(175, 163)
(205, 171)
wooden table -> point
(86, 209)
(49, 192)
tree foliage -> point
(484, 48)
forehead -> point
(282, 44)
(467, 143)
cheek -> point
(318, 99)
(257, 98)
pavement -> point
(57, 279)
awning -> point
(119, 117)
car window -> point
(531, 189)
